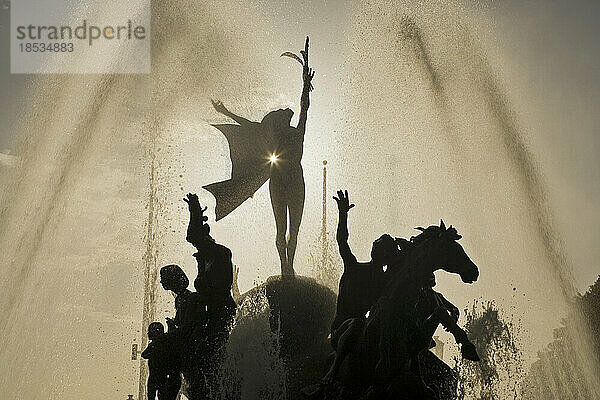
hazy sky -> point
(549, 66)
(79, 218)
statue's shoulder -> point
(222, 250)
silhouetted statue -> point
(430, 310)
(213, 283)
(269, 149)
(164, 367)
(215, 269)
(383, 354)
(188, 329)
(402, 336)
(433, 309)
(360, 285)
(190, 306)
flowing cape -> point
(249, 147)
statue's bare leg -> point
(296, 208)
(278, 203)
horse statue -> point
(385, 356)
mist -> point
(422, 113)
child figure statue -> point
(164, 379)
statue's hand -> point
(343, 201)
(219, 107)
(308, 75)
(193, 203)
(192, 200)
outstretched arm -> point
(307, 75)
(220, 108)
(344, 206)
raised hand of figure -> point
(192, 200)
(308, 74)
(343, 201)
(194, 205)
(219, 107)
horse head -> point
(437, 247)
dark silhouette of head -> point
(437, 247)
(278, 119)
(173, 278)
(384, 250)
(155, 330)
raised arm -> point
(344, 206)
(307, 75)
(220, 108)
(197, 230)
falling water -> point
(95, 155)
(252, 366)
(458, 135)
(411, 117)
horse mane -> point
(432, 231)
(408, 248)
